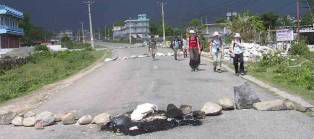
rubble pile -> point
(252, 51)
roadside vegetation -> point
(294, 73)
(44, 68)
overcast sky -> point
(67, 14)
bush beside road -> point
(44, 68)
(294, 73)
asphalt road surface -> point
(119, 86)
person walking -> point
(194, 50)
(237, 51)
(152, 47)
(185, 47)
(176, 47)
(217, 50)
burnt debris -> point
(158, 120)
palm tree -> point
(247, 25)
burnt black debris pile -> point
(154, 120)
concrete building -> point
(67, 33)
(134, 28)
(10, 33)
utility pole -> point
(105, 32)
(298, 20)
(163, 21)
(89, 3)
(83, 34)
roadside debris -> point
(6, 117)
(245, 96)
(156, 120)
(226, 103)
(211, 109)
(68, 119)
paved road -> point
(118, 86)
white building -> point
(135, 28)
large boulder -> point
(58, 117)
(29, 121)
(273, 105)
(101, 119)
(84, 120)
(226, 103)
(17, 121)
(29, 114)
(68, 119)
(245, 96)
(211, 109)
(46, 117)
(6, 117)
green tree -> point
(32, 33)
(247, 25)
(270, 20)
(307, 19)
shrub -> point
(41, 48)
(300, 48)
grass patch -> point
(294, 73)
(44, 68)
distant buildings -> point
(66, 33)
(10, 33)
(136, 28)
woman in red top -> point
(194, 50)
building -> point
(133, 28)
(10, 33)
(66, 33)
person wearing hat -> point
(194, 50)
(216, 47)
(237, 51)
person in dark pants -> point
(194, 50)
(237, 51)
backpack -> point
(176, 44)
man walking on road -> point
(194, 50)
(217, 50)
(152, 47)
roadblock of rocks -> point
(148, 118)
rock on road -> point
(119, 86)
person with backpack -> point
(194, 50)
(217, 50)
(237, 51)
(176, 47)
(152, 47)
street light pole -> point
(90, 23)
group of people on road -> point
(191, 44)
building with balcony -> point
(10, 33)
(134, 28)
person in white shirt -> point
(217, 49)
(237, 50)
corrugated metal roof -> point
(5, 10)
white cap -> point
(237, 35)
(216, 33)
(192, 31)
